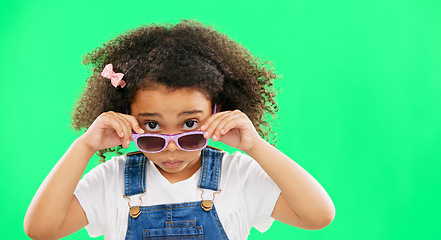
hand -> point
(233, 128)
(111, 129)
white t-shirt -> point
(247, 198)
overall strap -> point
(135, 170)
(211, 168)
(134, 174)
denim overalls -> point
(187, 220)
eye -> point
(190, 124)
(152, 126)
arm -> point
(54, 211)
(303, 202)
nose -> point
(171, 146)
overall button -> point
(135, 212)
(207, 205)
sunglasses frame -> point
(173, 137)
(167, 138)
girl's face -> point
(164, 111)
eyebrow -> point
(149, 114)
(180, 114)
(190, 112)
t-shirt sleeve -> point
(261, 193)
(94, 198)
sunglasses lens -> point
(150, 143)
(192, 142)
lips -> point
(172, 164)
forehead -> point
(162, 100)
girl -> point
(170, 89)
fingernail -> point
(214, 137)
(222, 131)
(121, 134)
(141, 130)
(128, 143)
(206, 134)
(202, 127)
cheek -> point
(193, 155)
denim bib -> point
(188, 220)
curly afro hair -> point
(185, 55)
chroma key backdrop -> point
(359, 98)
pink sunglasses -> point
(186, 141)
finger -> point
(127, 128)
(110, 121)
(122, 127)
(211, 122)
(233, 120)
(214, 129)
(212, 118)
(133, 123)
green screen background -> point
(360, 98)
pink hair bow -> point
(115, 78)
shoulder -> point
(114, 163)
(241, 164)
(109, 169)
(106, 178)
(239, 160)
